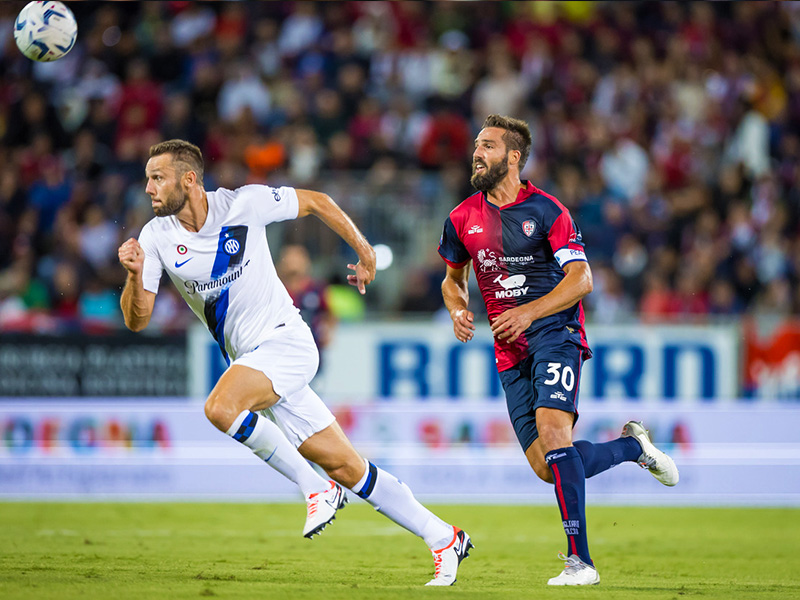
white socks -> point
(268, 442)
(393, 498)
(382, 490)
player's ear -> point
(189, 178)
(514, 156)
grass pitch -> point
(151, 551)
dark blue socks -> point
(569, 478)
(571, 467)
(601, 457)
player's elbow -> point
(135, 325)
(135, 322)
(588, 283)
(585, 281)
(313, 203)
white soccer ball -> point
(45, 31)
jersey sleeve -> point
(151, 272)
(565, 238)
(272, 205)
(451, 249)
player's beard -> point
(491, 176)
(172, 204)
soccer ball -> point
(45, 31)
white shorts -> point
(300, 415)
(289, 358)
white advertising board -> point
(411, 360)
(729, 454)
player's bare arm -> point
(576, 284)
(322, 206)
(136, 302)
(456, 298)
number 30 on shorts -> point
(566, 375)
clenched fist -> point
(131, 256)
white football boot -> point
(446, 560)
(322, 507)
(576, 572)
(657, 462)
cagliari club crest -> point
(528, 227)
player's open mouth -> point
(479, 167)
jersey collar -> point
(522, 195)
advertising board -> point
(452, 452)
(424, 360)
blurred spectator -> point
(305, 155)
(669, 129)
(502, 90)
(446, 136)
(242, 91)
(308, 294)
(609, 302)
(193, 22)
(50, 193)
(301, 29)
(30, 116)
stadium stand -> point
(670, 130)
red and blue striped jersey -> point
(518, 253)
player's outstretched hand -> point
(463, 325)
(131, 256)
(362, 277)
(510, 324)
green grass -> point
(149, 551)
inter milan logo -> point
(528, 227)
(231, 246)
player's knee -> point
(539, 466)
(543, 472)
(219, 413)
(346, 472)
(553, 438)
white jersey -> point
(225, 271)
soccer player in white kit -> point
(213, 246)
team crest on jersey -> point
(231, 246)
(182, 249)
(528, 227)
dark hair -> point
(517, 135)
(186, 153)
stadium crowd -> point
(670, 130)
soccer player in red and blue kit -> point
(532, 271)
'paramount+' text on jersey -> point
(518, 253)
(224, 271)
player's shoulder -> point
(548, 203)
(225, 200)
(255, 191)
(156, 225)
(156, 233)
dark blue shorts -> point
(549, 377)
